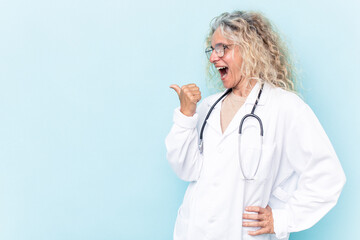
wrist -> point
(187, 112)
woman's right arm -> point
(182, 147)
(182, 141)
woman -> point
(276, 173)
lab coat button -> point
(220, 149)
(212, 219)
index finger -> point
(255, 209)
(252, 216)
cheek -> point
(237, 67)
(236, 71)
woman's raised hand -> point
(189, 95)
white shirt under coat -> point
(299, 176)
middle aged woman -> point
(258, 161)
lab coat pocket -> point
(267, 160)
(256, 163)
(258, 188)
(284, 190)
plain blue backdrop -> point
(85, 108)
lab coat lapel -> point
(214, 119)
(247, 107)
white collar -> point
(251, 97)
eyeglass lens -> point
(219, 50)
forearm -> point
(182, 147)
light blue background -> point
(85, 107)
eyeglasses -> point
(219, 50)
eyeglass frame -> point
(209, 50)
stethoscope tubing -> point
(207, 116)
(252, 114)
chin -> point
(226, 85)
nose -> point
(214, 57)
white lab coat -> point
(299, 175)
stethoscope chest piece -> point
(201, 146)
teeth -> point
(218, 68)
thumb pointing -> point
(176, 88)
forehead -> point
(217, 37)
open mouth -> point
(223, 71)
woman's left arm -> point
(321, 179)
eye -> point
(209, 49)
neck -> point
(244, 88)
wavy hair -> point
(265, 56)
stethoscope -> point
(253, 115)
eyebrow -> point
(219, 43)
